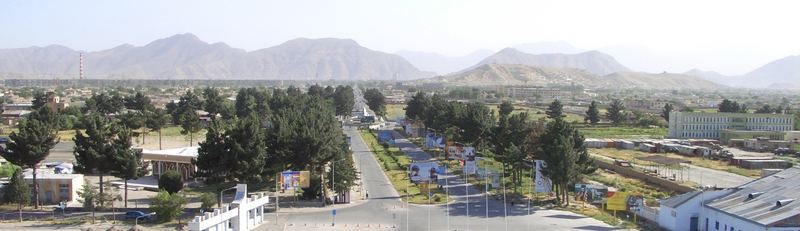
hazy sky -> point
(731, 37)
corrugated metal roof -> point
(761, 208)
(674, 202)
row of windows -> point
(698, 119)
(748, 127)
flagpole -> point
(486, 192)
(447, 202)
(505, 206)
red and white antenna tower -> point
(81, 67)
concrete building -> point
(12, 117)
(54, 188)
(768, 203)
(701, 125)
(536, 92)
(682, 212)
(244, 213)
(54, 102)
(176, 159)
(642, 104)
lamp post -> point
(333, 178)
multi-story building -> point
(701, 125)
(642, 104)
(536, 92)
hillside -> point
(515, 74)
(778, 72)
(656, 81)
(185, 56)
(441, 64)
(593, 61)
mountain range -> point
(185, 56)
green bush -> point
(171, 181)
(208, 201)
(167, 206)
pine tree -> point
(506, 108)
(127, 162)
(186, 114)
(615, 112)
(17, 191)
(376, 101)
(89, 198)
(212, 157)
(344, 100)
(30, 146)
(213, 102)
(565, 154)
(417, 106)
(555, 110)
(592, 114)
(94, 150)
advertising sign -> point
(433, 141)
(543, 184)
(423, 171)
(456, 151)
(295, 179)
(386, 136)
(470, 167)
(618, 201)
(595, 194)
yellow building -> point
(54, 188)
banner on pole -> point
(543, 183)
(424, 171)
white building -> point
(766, 204)
(701, 125)
(176, 159)
(682, 212)
(244, 213)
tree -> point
(237, 153)
(506, 108)
(17, 191)
(509, 135)
(89, 197)
(127, 162)
(167, 205)
(766, 109)
(208, 201)
(212, 157)
(156, 120)
(563, 150)
(417, 106)
(138, 101)
(592, 114)
(39, 100)
(316, 90)
(170, 181)
(615, 112)
(104, 103)
(476, 122)
(555, 110)
(344, 100)
(30, 146)
(186, 114)
(251, 100)
(94, 150)
(726, 106)
(667, 109)
(376, 101)
(213, 102)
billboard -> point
(295, 179)
(543, 183)
(595, 194)
(457, 151)
(618, 201)
(423, 171)
(386, 136)
(433, 141)
(470, 167)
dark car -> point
(138, 215)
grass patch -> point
(394, 164)
(623, 132)
(394, 111)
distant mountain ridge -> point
(593, 61)
(493, 74)
(185, 56)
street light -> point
(220, 196)
(333, 180)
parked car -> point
(784, 151)
(139, 215)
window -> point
(716, 225)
